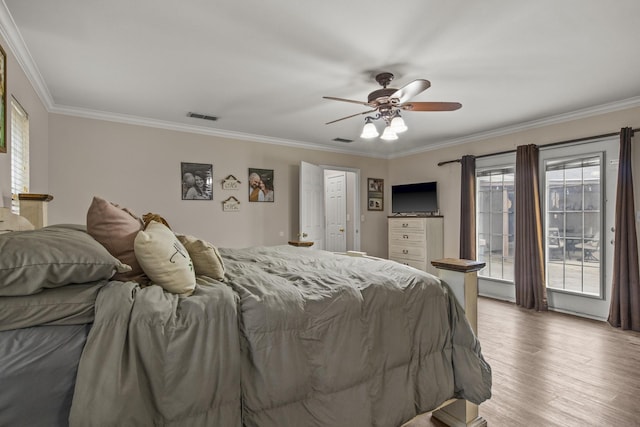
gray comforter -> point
(155, 359)
(295, 337)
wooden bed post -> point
(462, 276)
(34, 208)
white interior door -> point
(311, 204)
(336, 211)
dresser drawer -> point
(420, 265)
(407, 224)
(408, 238)
(417, 253)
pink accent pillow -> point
(116, 229)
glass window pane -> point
(591, 279)
(574, 197)
(556, 220)
(483, 201)
(508, 268)
(591, 224)
(555, 198)
(592, 196)
(496, 199)
(484, 222)
(555, 275)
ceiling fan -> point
(387, 103)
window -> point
(573, 220)
(19, 154)
(496, 221)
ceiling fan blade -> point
(431, 106)
(410, 90)
(348, 117)
(345, 100)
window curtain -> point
(624, 311)
(531, 291)
(468, 208)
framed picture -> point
(197, 179)
(3, 101)
(261, 185)
(375, 194)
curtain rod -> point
(551, 144)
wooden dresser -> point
(416, 241)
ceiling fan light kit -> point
(397, 123)
(387, 103)
(369, 130)
(388, 134)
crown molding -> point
(11, 34)
(547, 121)
(180, 127)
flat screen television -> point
(415, 199)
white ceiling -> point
(262, 67)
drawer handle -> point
(405, 251)
(404, 236)
(405, 225)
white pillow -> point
(206, 258)
(164, 259)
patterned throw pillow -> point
(164, 259)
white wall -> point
(139, 167)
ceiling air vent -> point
(342, 140)
(202, 116)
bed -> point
(287, 336)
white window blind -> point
(19, 154)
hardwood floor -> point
(551, 369)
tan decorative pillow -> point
(206, 258)
(116, 228)
(164, 259)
